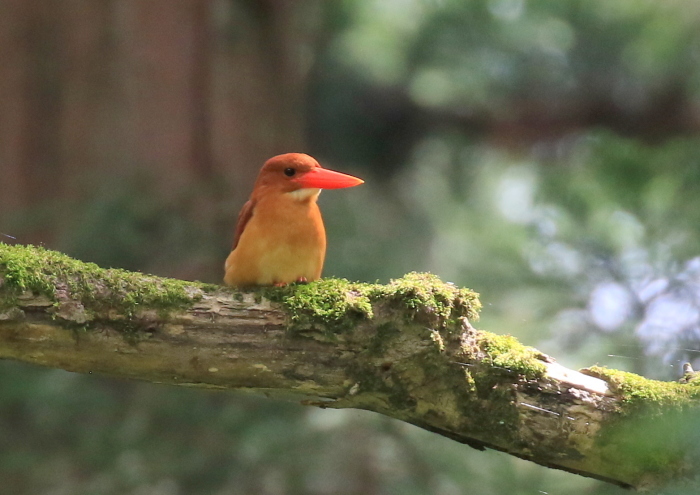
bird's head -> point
(298, 173)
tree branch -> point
(406, 350)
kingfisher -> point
(280, 237)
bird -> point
(280, 238)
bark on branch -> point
(406, 350)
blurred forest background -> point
(545, 154)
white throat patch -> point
(306, 193)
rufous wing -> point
(243, 218)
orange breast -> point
(282, 242)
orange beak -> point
(323, 178)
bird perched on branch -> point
(280, 237)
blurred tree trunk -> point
(189, 93)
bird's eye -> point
(289, 172)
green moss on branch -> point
(638, 392)
(334, 305)
(55, 276)
(505, 352)
(652, 428)
(337, 305)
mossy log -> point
(406, 350)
